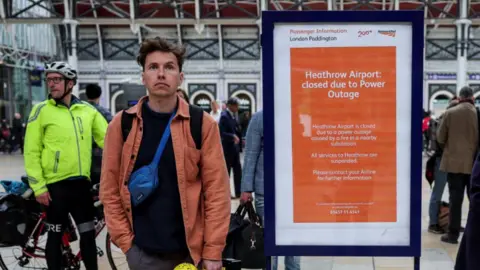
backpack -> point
(196, 120)
(6, 133)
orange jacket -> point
(204, 191)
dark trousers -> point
(232, 159)
(457, 184)
(71, 197)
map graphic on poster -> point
(344, 134)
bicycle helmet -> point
(62, 68)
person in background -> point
(425, 130)
(253, 178)
(17, 133)
(458, 137)
(186, 216)
(5, 136)
(215, 113)
(231, 136)
(183, 94)
(244, 121)
(93, 93)
(440, 181)
(58, 152)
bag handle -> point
(252, 214)
(241, 211)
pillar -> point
(463, 29)
(72, 57)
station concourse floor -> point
(436, 255)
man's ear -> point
(180, 79)
(143, 80)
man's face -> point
(233, 108)
(56, 84)
(161, 75)
(214, 106)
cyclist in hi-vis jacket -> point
(58, 151)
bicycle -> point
(32, 249)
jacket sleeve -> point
(442, 132)
(117, 221)
(223, 125)
(33, 148)
(216, 191)
(252, 152)
(99, 128)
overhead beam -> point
(133, 26)
(199, 26)
(128, 21)
(99, 37)
(179, 27)
(197, 10)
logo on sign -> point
(364, 33)
(390, 33)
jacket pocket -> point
(57, 160)
(192, 163)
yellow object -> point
(185, 266)
(188, 266)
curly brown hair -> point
(150, 45)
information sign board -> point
(343, 98)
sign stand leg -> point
(416, 263)
(268, 265)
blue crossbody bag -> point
(144, 181)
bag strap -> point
(241, 211)
(127, 120)
(196, 121)
(163, 142)
(252, 214)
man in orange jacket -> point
(185, 217)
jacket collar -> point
(467, 101)
(74, 101)
(182, 110)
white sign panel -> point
(342, 134)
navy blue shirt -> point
(158, 221)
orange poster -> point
(344, 134)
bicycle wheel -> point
(29, 257)
(119, 261)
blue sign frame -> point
(416, 19)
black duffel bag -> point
(13, 220)
(16, 219)
(245, 238)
